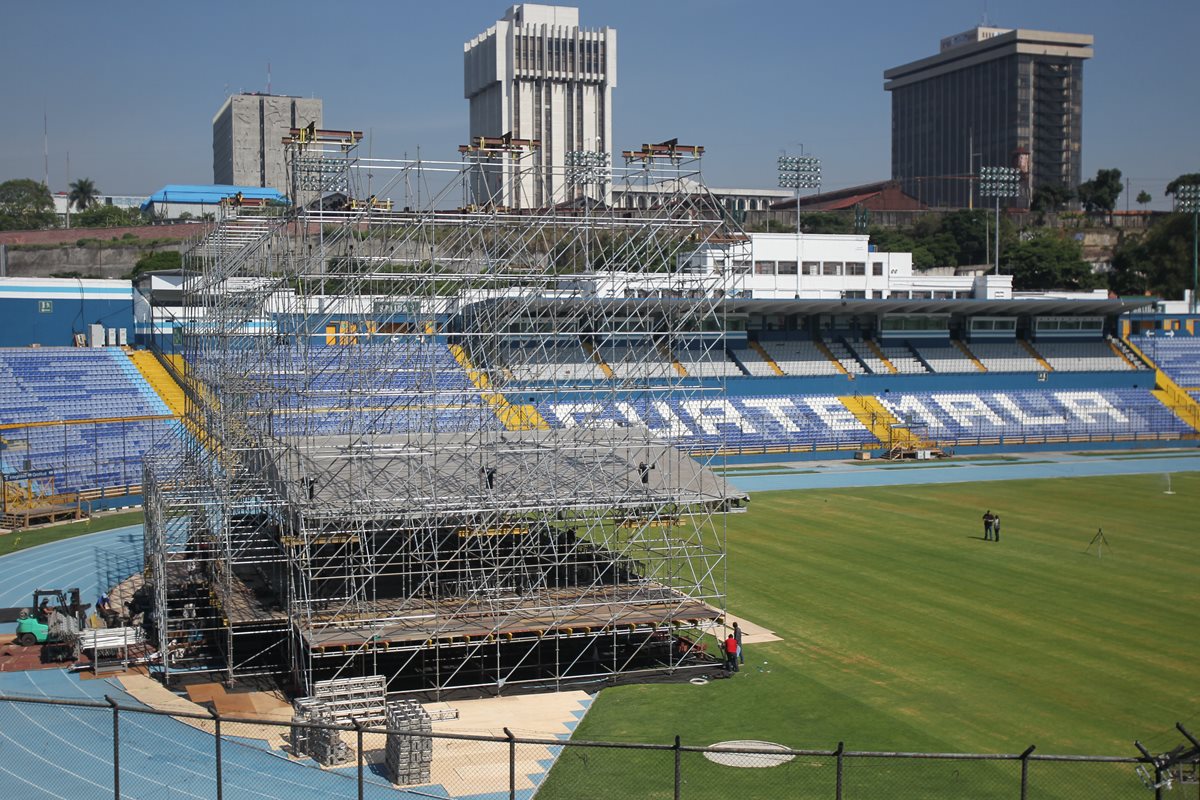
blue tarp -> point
(209, 194)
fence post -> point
(512, 764)
(841, 748)
(1025, 771)
(678, 770)
(116, 746)
(217, 736)
(358, 727)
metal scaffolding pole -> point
(417, 441)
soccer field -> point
(903, 630)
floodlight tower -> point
(1187, 199)
(999, 182)
(799, 172)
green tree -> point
(84, 194)
(26, 204)
(1101, 192)
(1048, 260)
(1159, 263)
(104, 216)
(157, 262)
(1187, 179)
(1143, 197)
(1050, 197)
(826, 222)
(969, 230)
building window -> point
(831, 268)
(876, 267)
(786, 267)
(764, 267)
(810, 268)
(856, 268)
(741, 267)
(853, 295)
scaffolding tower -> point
(372, 482)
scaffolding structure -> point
(369, 485)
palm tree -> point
(83, 194)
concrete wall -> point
(89, 262)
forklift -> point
(54, 623)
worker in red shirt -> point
(731, 651)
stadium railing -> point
(133, 751)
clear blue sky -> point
(130, 88)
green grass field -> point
(19, 540)
(903, 630)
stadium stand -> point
(76, 419)
(636, 361)
(962, 416)
(64, 383)
(1005, 357)
(752, 361)
(1082, 357)
(1178, 356)
(562, 360)
(766, 422)
(946, 358)
(804, 357)
(701, 362)
(904, 359)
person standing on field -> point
(731, 652)
(996, 526)
(737, 635)
(989, 522)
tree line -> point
(1157, 261)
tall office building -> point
(248, 136)
(993, 97)
(538, 76)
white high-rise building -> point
(538, 76)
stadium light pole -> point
(1187, 198)
(585, 167)
(999, 182)
(799, 172)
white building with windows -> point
(537, 75)
(813, 266)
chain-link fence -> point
(58, 748)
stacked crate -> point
(323, 745)
(408, 756)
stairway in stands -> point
(159, 379)
(883, 425)
(514, 417)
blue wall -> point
(22, 323)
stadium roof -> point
(1048, 306)
(210, 194)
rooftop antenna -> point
(45, 147)
(985, 13)
(268, 77)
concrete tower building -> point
(992, 97)
(539, 76)
(248, 136)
